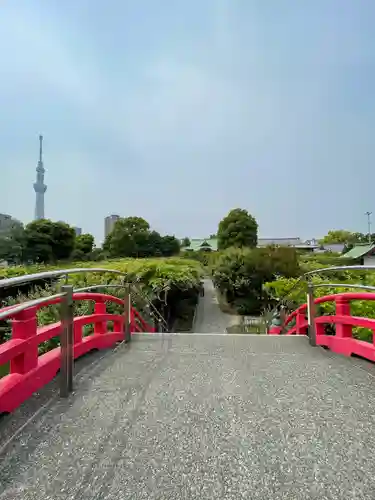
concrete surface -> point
(204, 417)
(210, 319)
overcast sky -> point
(179, 110)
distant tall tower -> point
(39, 187)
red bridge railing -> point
(340, 339)
(29, 370)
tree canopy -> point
(48, 241)
(85, 243)
(132, 237)
(240, 273)
(348, 238)
(237, 229)
(12, 244)
(186, 242)
(339, 236)
(44, 241)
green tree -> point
(12, 244)
(185, 242)
(170, 245)
(341, 236)
(98, 254)
(237, 229)
(240, 273)
(48, 241)
(132, 237)
(129, 235)
(85, 243)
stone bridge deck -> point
(203, 417)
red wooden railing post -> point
(301, 327)
(25, 327)
(343, 309)
(100, 327)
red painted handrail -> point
(343, 341)
(30, 371)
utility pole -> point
(369, 225)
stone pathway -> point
(210, 319)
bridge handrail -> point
(30, 370)
(10, 311)
(137, 291)
(342, 285)
(346, 296)
(28, 278)
(302, 280)
(342, 340)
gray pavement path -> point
(210, 319)
(204, 417)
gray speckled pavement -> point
(204, 417)
(210, 319)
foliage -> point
(48, 241)
(349, 238)
(41, 241)
(83, 250)
(169, 245)
(85, 243)
(238, 229)
(12, 244)
(132, 237)
(313, 262)
(292, 293)
(163, 281)
(207, 259)
(97, 255)
(185, 242)
(156, 275)
(338, 236)
(240, 274)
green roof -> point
(199, 244)
(359, 251)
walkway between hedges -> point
(210, 319)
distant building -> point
(208, 244)
(78, 231)
(331, 248)
(8, 222)
(297, 243)
(109, 223)
(363, 254)
(211, 244)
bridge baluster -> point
(301, 323)
(343, 330)
(101, 327)
(24, 328)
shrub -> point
(240, 274)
